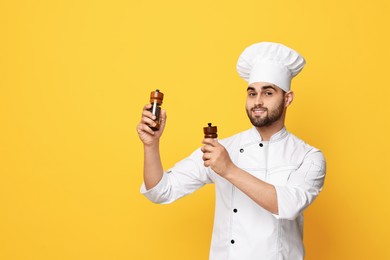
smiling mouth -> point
(258, 110)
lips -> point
(258, 110)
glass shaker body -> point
(156, 99)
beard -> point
(272, 116)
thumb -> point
(163, 118)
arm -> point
(263, 193)
(153, 169)
(216, 157)
(286, 201)
(184, 178)
(304, 185)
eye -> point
(268, 93)
(251, 94)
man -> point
(264, 177)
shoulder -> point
(311, 153)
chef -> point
(265, 177)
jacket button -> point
(232, 241)
(261, 145)
(235, 210)
(241, 150)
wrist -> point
(151, 146)
(229, 171)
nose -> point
(258, 101)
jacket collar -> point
(282, 133)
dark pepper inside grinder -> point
(156, 100)
(210, 131)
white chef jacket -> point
(243, 230)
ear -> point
(288, 98)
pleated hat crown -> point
(270, 62)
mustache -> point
(258, 107)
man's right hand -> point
(145, 133)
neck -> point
(266, 132)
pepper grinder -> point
(210, 131)
(156, 100)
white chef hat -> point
(270, 62)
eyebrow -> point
(262, 88)
(268, 87)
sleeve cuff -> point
(154, 194)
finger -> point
(210, 141)
(148, 121)
(206, 156)
(147, 106)
(206, 163)
(163, 114)
(144, 129)
(148, 114)
(207, 149)
(163, 118)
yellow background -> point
(74, 76)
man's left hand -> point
(216, 157)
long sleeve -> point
(303, 186)
(184, 178)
